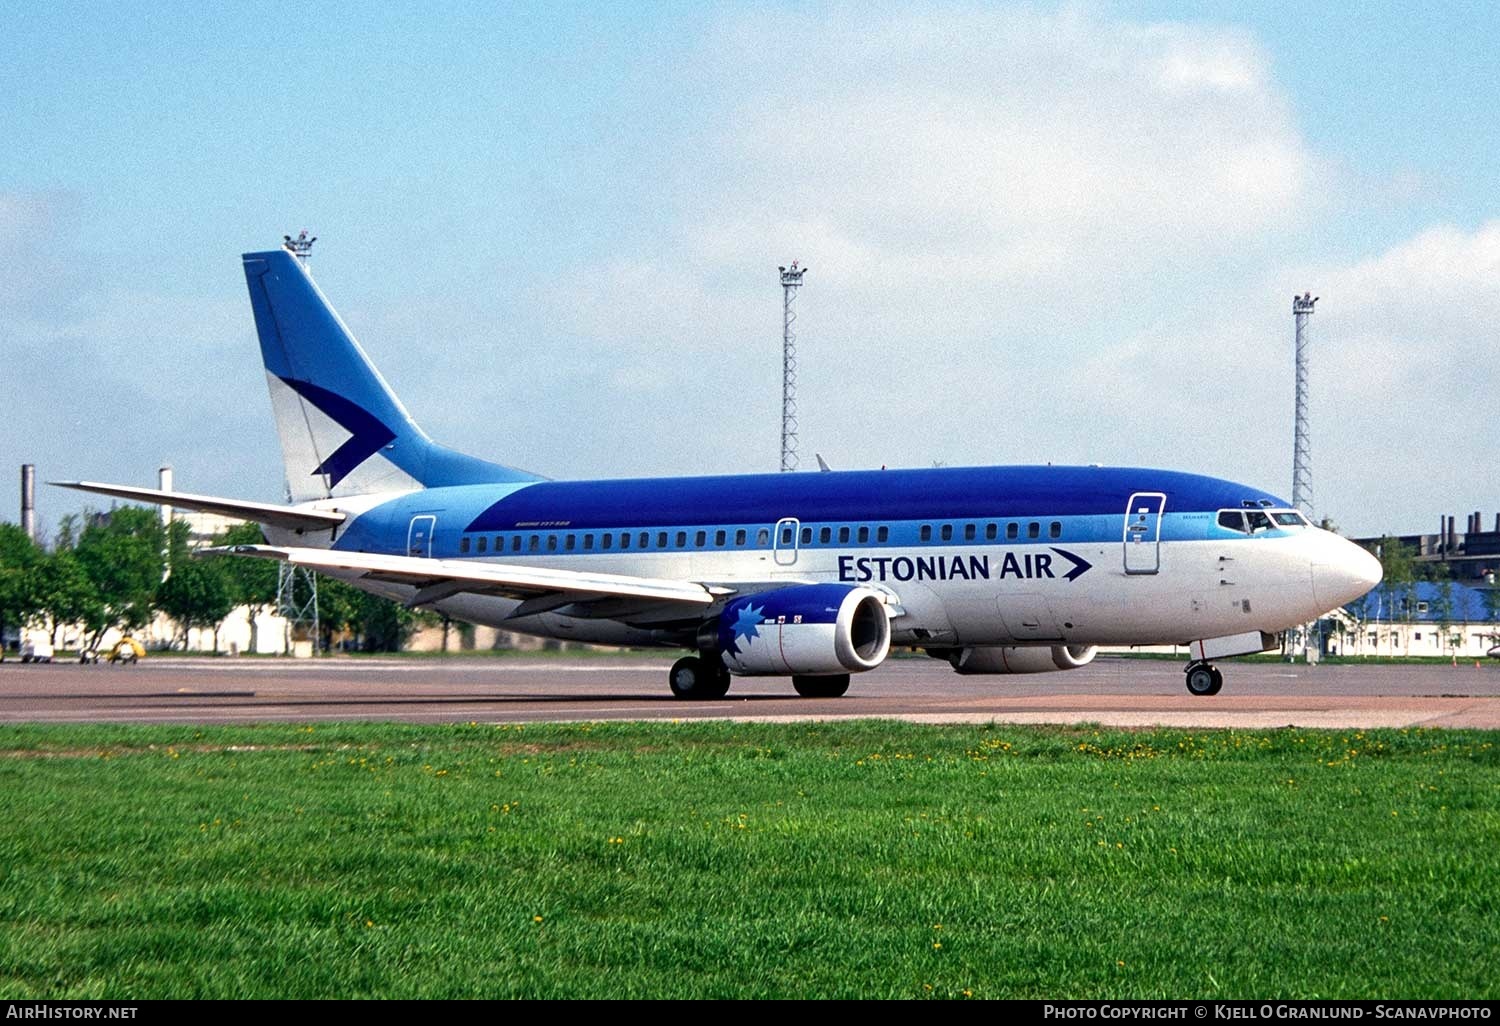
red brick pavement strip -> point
(1111, 692)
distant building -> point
(1426, 618)
(1471, 555)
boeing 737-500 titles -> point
(1011, 569)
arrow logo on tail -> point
(367, 434)
(1080, 566)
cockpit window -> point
(1232, 519)
(1258, 521)
(1290, 518)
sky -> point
(1035, 233)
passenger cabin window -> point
(807, 536)
(1054, 529)
(661, 539)
(763, 537)
(864, 535)
(843, 535)
(484, 543)
(588, 543)
(1012, 532)
(700, 539)
(551, 543)
(825, 535)
(719, 538)
(991, 532)
(682, 539)
(606, 540)
(624, 539)
(970, 532)
(515, 543)
(786, 536)
(463, 545)
(1033, 530)
(645, 539)
(883, 534)
(947, 532)
(568, 544)
(534, 545)
(927, 532)
(739, 536)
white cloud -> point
(1009, 217)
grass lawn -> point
(851, 859)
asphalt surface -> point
(1110, 691)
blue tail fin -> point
(343, 431)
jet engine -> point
(999, 659)
(805, 630)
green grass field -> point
(863, 859)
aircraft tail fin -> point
(343, 431)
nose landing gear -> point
(1204, 678)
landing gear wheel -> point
(1204, 679)
(695, 677)
(821, 687)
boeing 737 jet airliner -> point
(813, 576)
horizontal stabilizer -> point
(259, 512)
(436, 579)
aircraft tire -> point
(693, 677)
(832, 686)
(1204, 679)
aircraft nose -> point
(1343, 572)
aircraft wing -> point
(540, 589)
(258, 512)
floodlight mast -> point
(1302, 494)
(791, 281)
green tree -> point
(199, 594)
(19, 557)
(1398, 561)
(65, 593)
(253, 581)
(122, 553)
(378, 624)
(1443, 613)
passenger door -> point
(419, 535)
(1143, 532)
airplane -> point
(816, 576)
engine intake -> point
(1021, 659)
(805, 630)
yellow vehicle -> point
(126, 651)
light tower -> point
(1302, 497)
(297, 586)
(791, 281)
(299, 247)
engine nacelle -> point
(805, 630)
(1012, 659)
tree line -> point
(117, 570)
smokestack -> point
(28, 499)
(1497, 523)
(164, 482)
(1452, 535)
(1477, 518)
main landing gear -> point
(698, 677)
(1204, 678)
